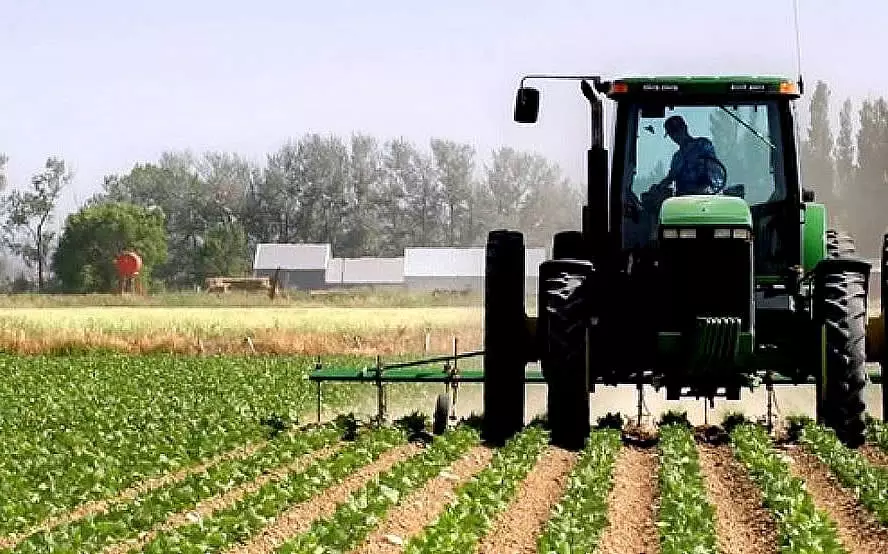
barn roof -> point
(365, 271)
(460, 262)
(292, 256)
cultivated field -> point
(112, 440)
(172, 454)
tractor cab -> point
(723, 138)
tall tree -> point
(845, 168)
(455, 164)
(392, 200)
(818, 165)
(361, 232)
(871, 181)
(506, 187)
(95, 235)
(224, 252)
(3, 161)
(29, 214)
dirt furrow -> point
(743, 524)
(874, 455)
(632, 510)
(97, 507)
(424, 505)
(858, 530)
(299, 518)
(209, 506)
(516, 529)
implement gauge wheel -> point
(442, 412)
(843, 301)
(565, 299)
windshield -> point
(706, 149)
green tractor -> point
(702, 267)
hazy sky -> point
(106, 84)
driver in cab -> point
(689, 169)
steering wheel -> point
(716, 173)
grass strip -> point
(580, 517)
(686, 518)
(802, 528)
(355, 518)
(128, 519)
(464, 522)
(869, 482)
(253, 512)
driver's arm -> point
(674, 164)
(669, 178)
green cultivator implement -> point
(702, 268)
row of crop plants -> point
(686, 518)
(868, 482)
(127, 519)
(801, 527)
(81, 428)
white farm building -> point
(302, 266)
(312, 267)
(365, 272)
(460, 269)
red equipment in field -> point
(128, 264)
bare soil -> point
(858, 530)
(632, 505)
(299, 518)
(743, 524)
(517, 528)
(212, 505)
(97, 507)
(423, 506)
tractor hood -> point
(687, 211)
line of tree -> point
(364, 197)
(368, 198)
(848, 169)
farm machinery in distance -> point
(703, 267)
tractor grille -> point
(703, 274)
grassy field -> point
(188, 324)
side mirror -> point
(527, 105)
(807, 195)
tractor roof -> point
(704, 85)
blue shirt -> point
(689, 169)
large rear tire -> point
(566, 333)
(843, 315)
(505, 332)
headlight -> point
(670, 233)
(741, 234)
(687, 233)
(722, 233)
